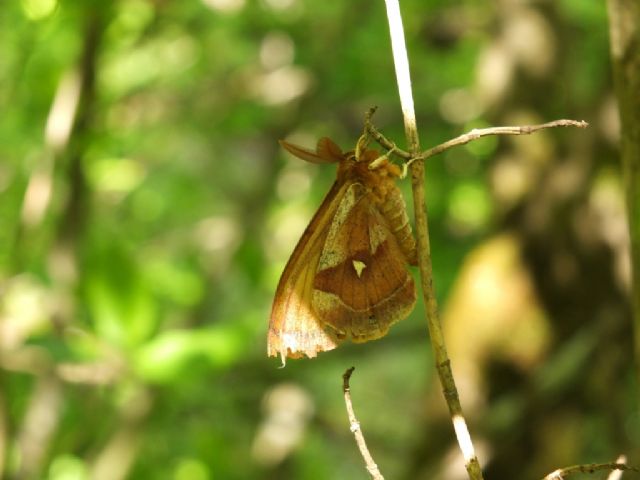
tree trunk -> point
(624, 28)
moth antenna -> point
(380, 160)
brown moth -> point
(347, 277)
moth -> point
(348, 276)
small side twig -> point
(509, 130)
(617, 474)
(372, 468)
(381, 139)
(562, 473)
(465, 138)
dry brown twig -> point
(562, 473)
(617, 474)
(354, 426)
(465, 138)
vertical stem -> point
(624, 29)
(443, 364)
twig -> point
(562, 473)
(617, 474)
(381, 139)
(483, 132)
(355, 428)
(443, 365)
(463, 139)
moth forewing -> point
(294, 329)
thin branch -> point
(562, 473)
(381, 139)
(355, 428)
(443, 364)
(617, 474)
(463, 139)
(509, 130)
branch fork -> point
(463, 139)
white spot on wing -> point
(358, 267)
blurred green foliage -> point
(146, 213)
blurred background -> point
(147, 212)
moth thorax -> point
(382, 189)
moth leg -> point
(405, 167)
(381, 159)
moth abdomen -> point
(394, 211)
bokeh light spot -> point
(38, 9)
(226, 6)
(67, 467)
(469, 207)
(191, 469)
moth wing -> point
(326, 151)
(294, 328)
(362, 284)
